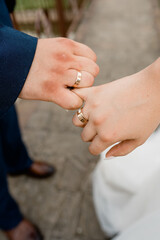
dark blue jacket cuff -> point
(17, 51)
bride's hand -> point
(125, 111)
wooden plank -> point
(61, 17)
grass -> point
(30, 4)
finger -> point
(76, 120)
(85, 64)
(122, 149)
(84, 51)
(97, 146)
(82, 92)
(70, 100)
(87, 79)
(88, 133)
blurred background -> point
(125, 36)
(49, 18)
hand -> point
(125, 112)
(55, 67)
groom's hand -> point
(55, 68)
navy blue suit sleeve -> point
(17, 51)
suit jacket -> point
(10, 5)
(17, 51)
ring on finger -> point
(81, 116)
(78, 79)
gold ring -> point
(81, 116)
(79, 78)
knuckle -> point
(92, 150)
(95, 104)
(107, 137)
(104, 137)
(67, 41)
(63, 57)
(97, 69)
(64, 40)
(66, 44)
(98, 120)
(60, 39)
(91, 79)
(94, 57)
(83, 137)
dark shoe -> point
(24, 231)
(40, 170)
(37, 170)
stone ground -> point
(124, 36)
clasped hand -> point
(123, 113)
(54, 70)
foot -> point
(24, 231)
(37, 170)
(40, 170)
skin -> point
(124, 112)
(54, 69)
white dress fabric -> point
(147, 228)
(126, 189)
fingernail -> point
(109, 158)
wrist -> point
(155, 74)
(152, 76)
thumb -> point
(122, 149)
(70, 100)
(82, 92)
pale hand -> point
(54, 69)
(125, 112)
